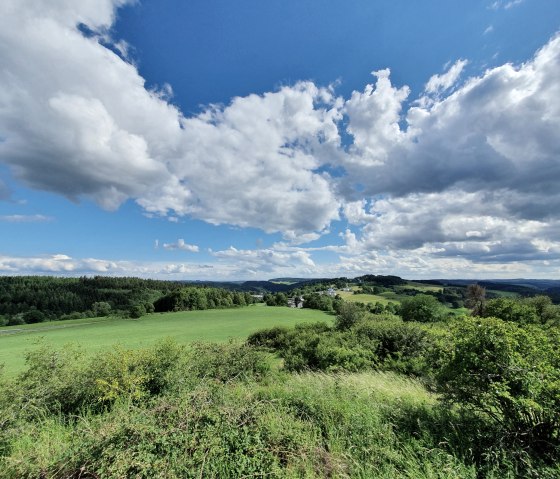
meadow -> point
(96, 334)
(306, 394)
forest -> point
(34, 299)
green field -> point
(364, 298)
(94, 334)
(420, 286)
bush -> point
(509, 373)
(548, 313)
(348, 315)
(137, 311)
(16, 320)
(226, 362)
(65, 381)
(101, 309)
(422, 308)
(273, 338)
(34, 316)
(509, 309)
(398, 346)
(319, 347)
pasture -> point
(96, 334)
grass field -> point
(387, 296)
(364, 298)
(95, 334)
(420, 286)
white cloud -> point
(453, 224)
(469, 170)
(267, 262)
(79, 121)
(64, 265)
(26, 218)
(505, 4)
(181, 245)
(373, 120)
(253, 163)
(355, 212)
(495, 133)
(437, 84)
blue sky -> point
(248, 140)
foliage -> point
(453, 296)
(56, 297)
(348, 315)
(511, 309)
(366, 341)
(476, 299)
(402, 347)
(309, 425)
(381, 280)
(218, 410)
(101, 309)
(548, 313)
(196, 299)
(322, 302)
(422, 308)
(511, 374)
(273, 338)
(65, 381)
(278, 299)
(226, 362)
(33, 299)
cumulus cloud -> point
(181, 245)
(78, 120)
(254, 162)
(267, 261)
(468, 169)
(57, 264)
(443, 227)
(497, 132)
(64, 265)
(373, 120)
(231, 264)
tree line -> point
(33, 299)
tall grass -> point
(222, 411)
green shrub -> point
(348, 315)
(226, 362)
(510, 309)
(422, 308)
(509, 373)
(273, 338)
(319, 348)
(66, 381)
(137, 311)
(398, 346)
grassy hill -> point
(95, 334)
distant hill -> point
(296, 280)
(520, 286)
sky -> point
(248, 140)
